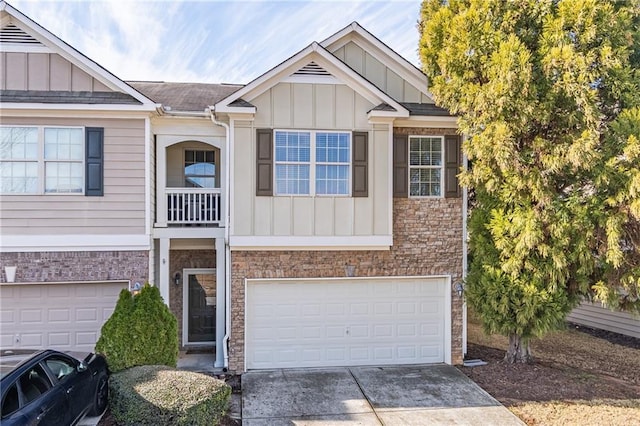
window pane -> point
(425, 151)
(63, 144)
(332, 179)
(199, 168)
(63, 177)
(18, 177)
(292, 179)
(18, 143)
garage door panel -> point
(65, 316)
(350, 322)
(61, 315)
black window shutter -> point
(359, 165)
(264, 162)
(400, 166)
(452, 166)
(94, 162)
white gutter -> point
(227, 257)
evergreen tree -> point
(548, 93)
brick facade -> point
(77, 266)
(427, 240)
(185, 259)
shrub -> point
(141, 331)
(159, 395)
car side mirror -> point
(82, 367)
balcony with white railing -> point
(193, 206)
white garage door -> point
(59, 316)
(343, 322)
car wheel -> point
(101, 397)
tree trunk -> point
(519, 351)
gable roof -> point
(322, 58)
(372, 45)
(188, 97)
(19, 29)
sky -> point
(213, 41)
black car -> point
(48, 387)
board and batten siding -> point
(379, 74)
(120, 211)
(309, 107)
(596, 316)
(44, 71)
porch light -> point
(177, 277)
(459, 288)
(350, 270)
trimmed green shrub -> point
(141, 331)
(159, 395)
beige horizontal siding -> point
(595, 316)
(120, 211)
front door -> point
(201, 307)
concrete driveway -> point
(394, 395)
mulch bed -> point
(548, 381)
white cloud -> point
(214, 41)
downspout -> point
(227, 256)
(465, 202)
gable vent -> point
(312, 69)
(13, 34)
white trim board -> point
(68, 242)
(374, 242)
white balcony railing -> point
(193, 206)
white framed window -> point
(312, 163)
(426, 166)
(199, 168)
(39, 159)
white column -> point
(220, 302)
(165, 279)
(161, 184)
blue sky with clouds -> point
(214, 41)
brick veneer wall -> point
(427, 240)
(179, 260)
(77, 266)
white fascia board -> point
(81, 242)
(381, 52)
(78, 107)
(386, 114)
(187, 233)
(60, 47)
(373, 242)
(317, 53)
(225, 109)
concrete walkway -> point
(394, 395)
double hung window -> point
(312, 163)
(425, 166)
(199, 168)
(34, 160)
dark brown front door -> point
(202, 308)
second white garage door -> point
(64, 316)
(346, 322)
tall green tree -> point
(548, 93)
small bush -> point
(159, 395)
(141, 331)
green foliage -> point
(548, 92)
(158, 395)
(141, 331)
